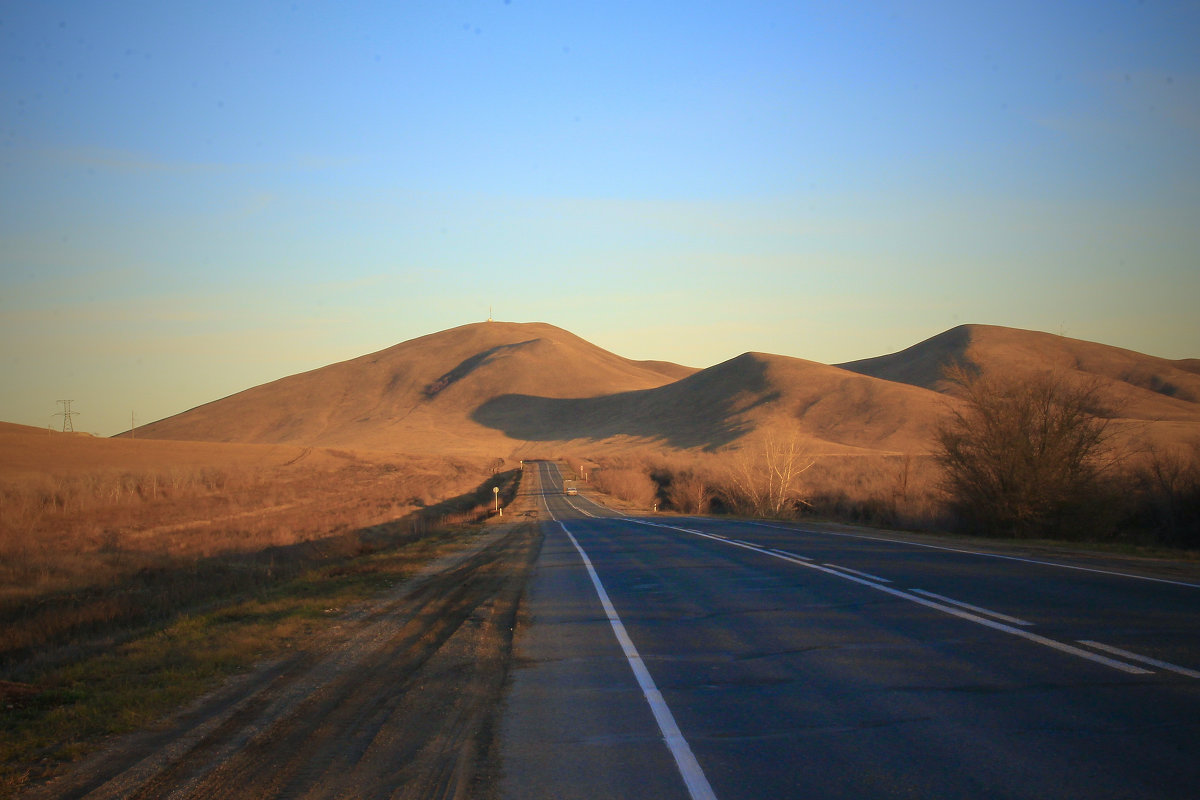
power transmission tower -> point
(66, 414)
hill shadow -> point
(705, 410)
(468, 366)
(922, 364)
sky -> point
(200, 197)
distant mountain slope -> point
(1140, 386)
(835, 410)
(505, 389)
(418, 394)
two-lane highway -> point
(670, 657)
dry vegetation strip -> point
(87, 566)
(122, 633)
(878, 489)
(397, 700)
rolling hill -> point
(509, 388)
(418, 395)
(835, 410)
(1139, 386)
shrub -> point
(630, 483)
(1167, 502)
(690, 492)
(1026, 458)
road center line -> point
(693, 776)
(947, 609)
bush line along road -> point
(592, 654)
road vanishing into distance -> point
(671, 657)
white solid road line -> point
(693, 776)
(1154, 662)
(969, 607)
(947, 609)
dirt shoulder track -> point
(398, 702)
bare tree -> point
(1024, 457)
(690, 492)
(765, 479)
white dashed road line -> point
(969, 607)
(976, 553)
(859, 573)
(945, 608)
(1153, 662)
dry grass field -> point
(99, 536)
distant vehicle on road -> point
(570, 488)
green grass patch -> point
(147, 677)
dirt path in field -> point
(399, 702)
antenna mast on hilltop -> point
(489, 313)
(66, 414)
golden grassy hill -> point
(835, 410)
(1155, 400)
(510, 390)
(418, 395)
(1141, 386)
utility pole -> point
(66, 414)
(132, 427)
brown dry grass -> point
(100, 535)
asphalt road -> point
(743, 660)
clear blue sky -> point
(200, 197)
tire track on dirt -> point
(400, 703)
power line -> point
(66, 414)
